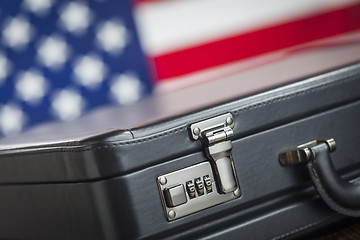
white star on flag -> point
(53, 52)
(31, 86)
(126, 88)
(39, 7)
(12, 119)
(89, 71)
(112, 36)
(67, 104)
(17, 33)
(75, 17)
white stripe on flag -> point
(166, 26)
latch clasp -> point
(215, 135)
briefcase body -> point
(229, 159)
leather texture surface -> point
(341, 195)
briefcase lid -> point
(116, 121)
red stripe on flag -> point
(266, 40)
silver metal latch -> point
(215, 134)
(205, 184)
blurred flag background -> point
(60, 59)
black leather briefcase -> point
(270, 153)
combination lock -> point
(190, 190)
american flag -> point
(60, 59)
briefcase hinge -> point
(215, 134)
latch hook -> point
(215, 134)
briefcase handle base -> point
(340, 195)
